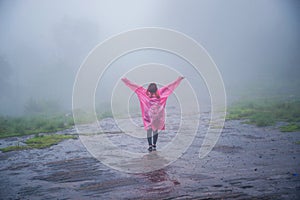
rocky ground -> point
(247, 163)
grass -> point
(39, 142)
(27, 125)
(47, 140)
(14, 148)
(43, 123)
(267, 113)
(292, 127)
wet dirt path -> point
(247, 163)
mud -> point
(247, 163)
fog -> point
(255, 44)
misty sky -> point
(43, 43)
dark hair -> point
(152, 90)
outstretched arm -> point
(130, 84)
(168, 89)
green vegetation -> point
(266, 113)
(40, 142)
(47, 140)
(42, 123)
(14, 148)
(290, 127)
(44, 116)
(27, 125)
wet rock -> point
(247, 163)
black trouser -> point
(149, 136)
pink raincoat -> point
(153, 109)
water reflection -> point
(153, 161)
(158, 181)
(157, 176)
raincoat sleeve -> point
(134, 87)
(168, 89)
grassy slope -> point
(18, 126)
(35, 124)
(268, 112)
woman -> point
(153, 103)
